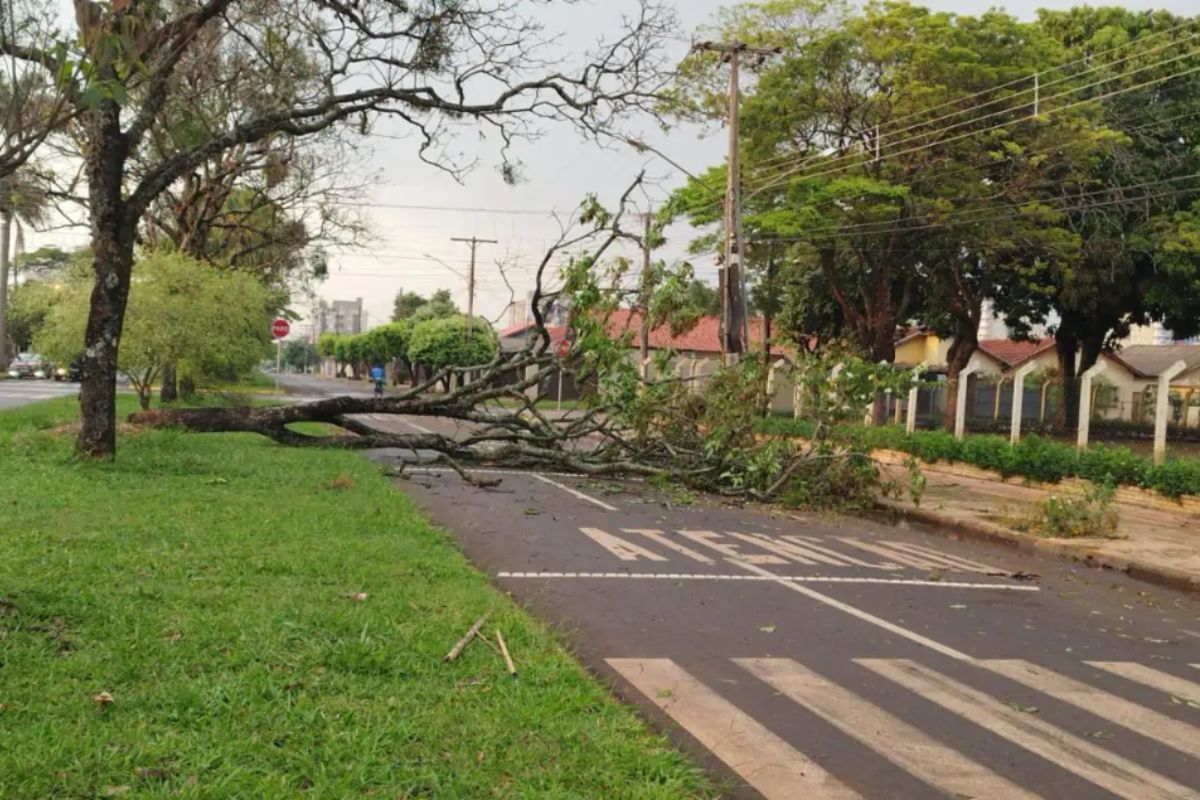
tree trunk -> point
(6, 219)
(170, 385)
(113, 228)
(1066, 346)
(966, 342)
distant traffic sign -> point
(280, 328)
(562, 347)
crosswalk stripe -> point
(1108, 770)
(766, 762)
(1149, 723)
(897, 741)
(1155, 679)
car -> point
(72, 373)
(30, 365)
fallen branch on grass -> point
(466, 639)
(512, 668)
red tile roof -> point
(556, 331)
(704, 337)
(1014, 354)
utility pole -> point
(474, 242)
(644, 300)
(735, 326)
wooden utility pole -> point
(474, 242)
(644, 300)
(735, 326)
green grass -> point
(205, 582)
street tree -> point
(406, 305)
(434, 68)
(439, 306)
(1124, 209)
(210, 322)
(443, 342)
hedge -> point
(1034, 457)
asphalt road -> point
(15, 393)
(822, 658)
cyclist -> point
(377, 379)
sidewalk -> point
(1159, 541)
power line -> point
(830, 167)
(957, 137)
(883, 128)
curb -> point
(1168, 577)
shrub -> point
(989, 452)
(1115, 465)
(1043, 460)
(1090, 513)
(1175, 478)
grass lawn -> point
(207, 583)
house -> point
(515, 338)
(1151, 361)
(1119, 392)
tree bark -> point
(6, 219)
(113, 233)
(1066, 346)
(966, 343)
(169, 392)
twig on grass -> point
(512, 668)
(466, 640)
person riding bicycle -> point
(377, 378)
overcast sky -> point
(559, 170)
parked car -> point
(72, 373)
(30, 365)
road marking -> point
(662, 576)
(1148, 723)
(709, 539)
(929, 554)
(626, 551)
(658, 537)
(912, 636)
(1148, 676)
(897, 741)
(815, 544)
(793, 549)
(899, 558)
(576, 493)
(413, 425)
(1108, 770)
(765, 761)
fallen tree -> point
(654, 424)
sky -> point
(411, 248)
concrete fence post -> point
(1085, 403)
(1018, 401)
(1162, 407)
(960, 404)
(910, 421)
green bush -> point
(1034, 458)
(1043, 460)
(1175, 478)
(1116, 465)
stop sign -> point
(562, 347)
(280, 328)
